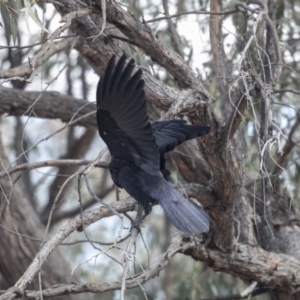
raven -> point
(137, 148)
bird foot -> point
(138, 222)
(135, 225)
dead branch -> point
(251, 263)
(235, 118)
(24, 71)
(78, 149)
(51, 163)
(287, 148)
(172, 30)
(145, 38)
(175, 246)
(273, 33)
(48, 49)
(75, 211)
(87, 218)
(194, 12)
(51, 105)
(276, 91)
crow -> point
(137, 148)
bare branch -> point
(286, 91)
(287, 148)
(132, 241)
(75, 211)
(254, 293)
(144, 38)
(252, 263)
(25, 70)
(78, 149)
(51, 163)
(194, 12)
(51, 105)
(87, 218)
(270, 270)
(172, 29)
(36, 44)
(48, 49)
(235, 118)
(273, 33)
(175, 246)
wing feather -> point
(122, 95)
(172, 133)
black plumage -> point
(172, 133)
(137, 148)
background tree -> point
(232, 65)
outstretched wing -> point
(172, 133)
(122, 115)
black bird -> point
(137, 148)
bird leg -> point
(140, 216)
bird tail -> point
(185, 216)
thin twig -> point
(254, 293)
(36, 44)
(51, 163)
(71, 122)
(277, 91)
(134, 235)
(193, 12)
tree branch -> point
(48, 49)
(252, 263)
(78, 149)
(287, 148)
(172, 30)
(273, 35)
(254, 293)
(75, 211)
(175, 246)
(51, 163)
(25, 70)
(145, 38)
(78, 222)
(235, 118)
(297, 92)
(51, 105)
(194, 12)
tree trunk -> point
(17, 252)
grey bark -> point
(16, 252)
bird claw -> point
(138, 221)
(135, 225)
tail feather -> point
(185, 216)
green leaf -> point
(33, 14)
(14, 28)
(37, 20)
(6, 19)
